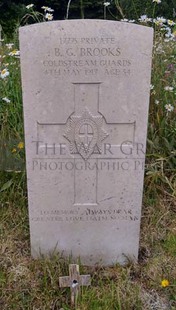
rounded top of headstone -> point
(88, 23)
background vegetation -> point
(12, 11)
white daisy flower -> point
(6, 100)
(157, 1)
(45, 8)
(168, 88)
(159, 21)
(107, 3)
(145, 19)
(9, 45)
(166, 40)
(169, 107)
(14, 53)
(4, 73)
(170, 22)
(49, 16)
(168, 35)
(124, 20)
(29, 6)
(50, 10)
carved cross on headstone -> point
(86, 129)
(74, 281)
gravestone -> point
(86, 96)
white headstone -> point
(86, 96)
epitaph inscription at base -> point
(86, 94)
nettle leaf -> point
(6, 185)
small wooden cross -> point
(74, 281)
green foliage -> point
(11, 113)
(12, 11)
(169, 244)
(161, 150)
(135, 8)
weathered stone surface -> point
(86, 94)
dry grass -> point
(33, 284)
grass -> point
(34, 284)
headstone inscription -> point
(85, 94)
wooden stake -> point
(74, 281)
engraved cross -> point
(85, 129)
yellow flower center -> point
(14, 52)
(3, 71)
